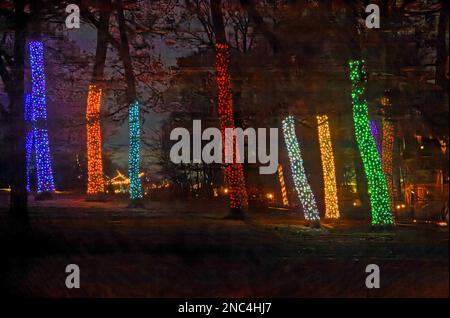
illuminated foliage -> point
(36, 114)
(379, 197)
(96, 183)
(233, 172)
(302, 187)
(386, 158)
(328, 167)
(134, 123)
(283, 186)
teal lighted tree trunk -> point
(378, 190)
(135, 188)
(133, 170)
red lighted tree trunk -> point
(233, 172)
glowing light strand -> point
(28, 113)
(43, 162)
(45, 182)
(233, 172)
(302, 186)
(28, 154)
(328, 167)
(38, 98)
(379, 197)
(96, 183)
(282, 186)
(134, 123)
(28, 140)
(375, 134)
(386, 158)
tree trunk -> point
(96, 184)
(125, 55)
(102, 43)
(256, 18)
(19, 194)
(233, 172)
(134, 117)
(217, 22)
(441, 47)
(361, 184)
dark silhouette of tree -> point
(441, 48)
(12, 74)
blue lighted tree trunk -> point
(38, 118)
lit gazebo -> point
(120, 183)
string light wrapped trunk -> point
(282, 185)
(38, 118)
(134, 123)
(28, 139)
(43, 161)
(28, 153)
(378, 191)
(96, 183)
(375, 134)
(386, 158)
(233, 172)
(328, 167)
(302, 186)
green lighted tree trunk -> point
(378, 190)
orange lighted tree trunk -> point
(94, 142)
(387, 149)
(282, 185)
(96, 184)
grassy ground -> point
(178, 249)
